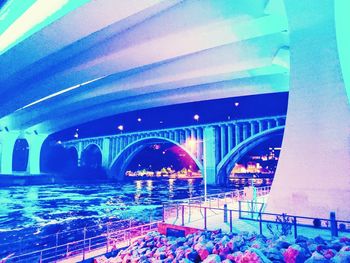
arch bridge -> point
(214, 147)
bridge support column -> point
(35, 142)
(261, 125)
(313, 177)
(230, 138)
(7, 141)
(245, 131)
(80, 151)
(237, 134)
(105, 152)
(176, 136)
(223, 140)
(209, 153)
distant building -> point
(259, 164)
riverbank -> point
(43, 179)
(25, 179)
(79, 175)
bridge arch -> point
(91, 156)
(228, 162)
(20, 155)
(118, 166)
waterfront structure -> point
(214, 147)
(122, 55)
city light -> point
(139, 119)
(236, 104)
(121, 128)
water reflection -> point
(190, 187)
(138, 188)
(149, 186)
(171, 188)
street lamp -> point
(76, 134)
(236, 104)
(191, 144)
(196, 117)
(121, 128)
(205, 171)
(139, 119)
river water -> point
(27, 213)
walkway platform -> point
(240, 216)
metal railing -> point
(220, 199)
(100, 244)
(268, 224)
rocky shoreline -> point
(212, 247)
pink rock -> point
(126, 259)
(215, 251)
(230, 244)
(203, 253)
(247, 257)
(290, 255)
(230, 257)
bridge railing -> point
(253, 220)
(283, 117)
